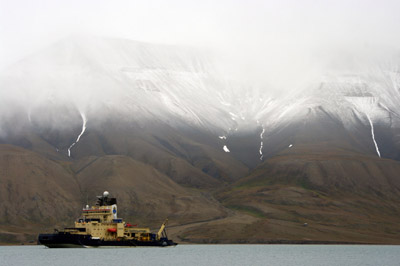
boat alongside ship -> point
(100, 227)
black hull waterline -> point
(61, 240)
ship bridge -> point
(104, 211)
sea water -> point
(205, 255)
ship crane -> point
(161, 232)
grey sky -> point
(281, 32)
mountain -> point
(163, 129)
(124, 95)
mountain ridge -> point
(213, 153)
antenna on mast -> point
(87, 201)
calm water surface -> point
(205, 255)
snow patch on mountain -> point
(373, 135)
(84, 121)
(262, 143)
(225, 148)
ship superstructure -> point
(100, 226)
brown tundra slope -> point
(38, 194)
(290, 198)
(313, 195)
